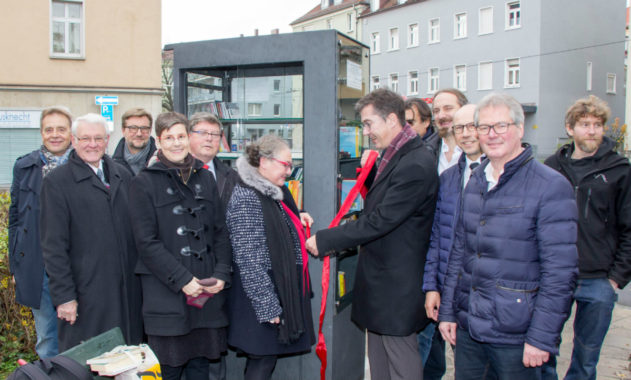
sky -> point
(197, 20)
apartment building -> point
(341, 15)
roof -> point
(318, 11)
(386, 5)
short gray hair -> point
(208, 117)
(90, 118)
(497, 99)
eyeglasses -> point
(136, 128)
(499, 128)
(459, 128)
(211, 135)
(169, 140)
(86, 140)
(287, 165)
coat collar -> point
(410, 145)
(252, 178)
(510, 168)
(31, 159)
(82, 172)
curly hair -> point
(590, 106)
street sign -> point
(110, 100)
(107, 111)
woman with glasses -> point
(270, 305)
(185, 258)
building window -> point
(375, 83)
(276, 85)
(67, 29)
(460, 25)
(513, 15)
(512, 73)
(433, 34)
(485, 76)
(349, 22)
(432, 82)
(485, 25)
(276, 110)
(254, 109)
(374, 5)
(375, 43)
(460, 77)
(393, 41)
(611, 83)
(589, 76)
(412, 35)
(413, 82)
(394, 82)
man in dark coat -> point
(393, 232)
(204, 137)
(137, 146)
(25, 253)
(87, 243)
(602, 183)
(512, 268)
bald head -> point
(467, 136)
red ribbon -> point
(326, 265)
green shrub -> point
(17, 329)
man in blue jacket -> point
(25, 253)
(513, 266)
(452, 183)
(602, 182)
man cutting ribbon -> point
(393, 232)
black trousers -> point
(259, 367)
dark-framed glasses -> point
(209, 135)
(499, 128)
(459, 128)
(136, 128)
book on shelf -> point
(351, 141)
(358, 203)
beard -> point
(444, 132)
(589, 146)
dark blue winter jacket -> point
(445, 217)
(513, 267)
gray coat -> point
(88, 250)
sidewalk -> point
(614, 358)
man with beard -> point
(25, 253)
(137, 146)
(444, 105)
(452, 184)
(602, 183)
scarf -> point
(406, 134)
(136, 161)
(282, 248)
(303, 250)
(184, 169)
(51, 161)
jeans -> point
(432, 349)
(46, 324)
(477, 360)
(595, 299)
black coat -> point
(226, 179)
(88, 250)
(603, 197)
(160, 204)
(25, 253)
(119, 153)
(394, 233)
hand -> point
(432, 304)
(215, 288)
(614, 284)
(193, 288)
(534, 357)
(306, 219)
(275, 321)
(312, 246)
(13, 280)
(68, 311)
(448, 331)
(364, 158)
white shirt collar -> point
(96, 169)
(488, 171)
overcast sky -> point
(196, 20)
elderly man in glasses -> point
(513, 265)
(87, 243)
(137, 146)
(204, 138)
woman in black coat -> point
(270, 309)
(184, 251)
